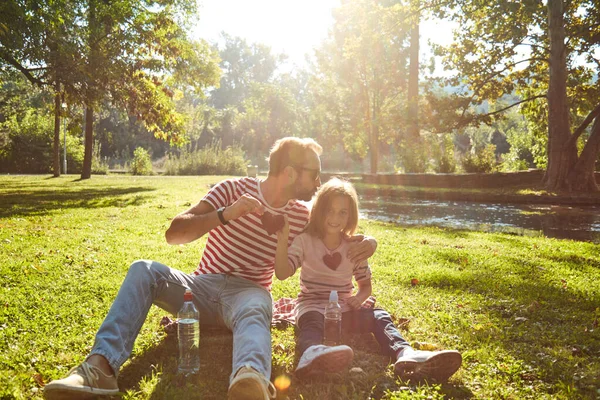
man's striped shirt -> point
(243, 247)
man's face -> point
(309, 177)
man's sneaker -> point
(83, 382)
(249, 384)
(417, 365)
(320, 358)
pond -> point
(557, 221)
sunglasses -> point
(315, 172)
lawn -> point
(523, 311)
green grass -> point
(523, 311)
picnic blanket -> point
(283, 314)
(283, 310)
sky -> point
(287, 26)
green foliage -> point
(358, 86)
(28, 144)
(442, 151)
(414, 157)
(99, 166)
(482, 160)
(210, 160)
(141, 163)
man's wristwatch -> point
(220, 215)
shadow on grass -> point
(154, 372)
(548, 327)
(41, 202)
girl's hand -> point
(354, 302)
(284, 232)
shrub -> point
(480, 161)
(413, 157)
(211, 160)
(99, 166)
(141, 163)
(442, 151)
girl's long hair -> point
(332, 188)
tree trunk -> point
(413, 75)
(374, 142)
(92, 62)
(581, 177)
(56, 147)
(86, 172)
(562, 155)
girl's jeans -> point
(222, 300)
(364, 320)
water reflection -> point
(565, 222)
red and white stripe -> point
(243, 247)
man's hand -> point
(354, 302)
(362, 248)
(242, 206)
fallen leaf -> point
(38, 379)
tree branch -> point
(25, 71)
(539, 96)
(588, 120)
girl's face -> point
(337, 215)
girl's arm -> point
(283, 269)
(364, 291)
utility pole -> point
(64, 106)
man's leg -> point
(147, 282)
(247, 310)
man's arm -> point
(194, 223)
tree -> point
(130, 53)
(359, 81)
(35, 40)
(534, 50)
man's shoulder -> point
(244, 184)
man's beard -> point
(305, 195)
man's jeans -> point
(364, 320)
(222, 300)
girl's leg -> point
(379, 322)
(316, 358)
(310, 326)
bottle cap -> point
(333, 296)
(188, 295)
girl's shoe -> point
(418, 365)
(320, 358)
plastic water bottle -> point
(188, 333)
(333, 321)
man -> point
(231, 285)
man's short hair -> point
(291, 151)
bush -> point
(141, 163)
(413, 157)
(442, 150)
(482, 161)
(211, 160)
(99, 166)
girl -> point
(321, 250)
